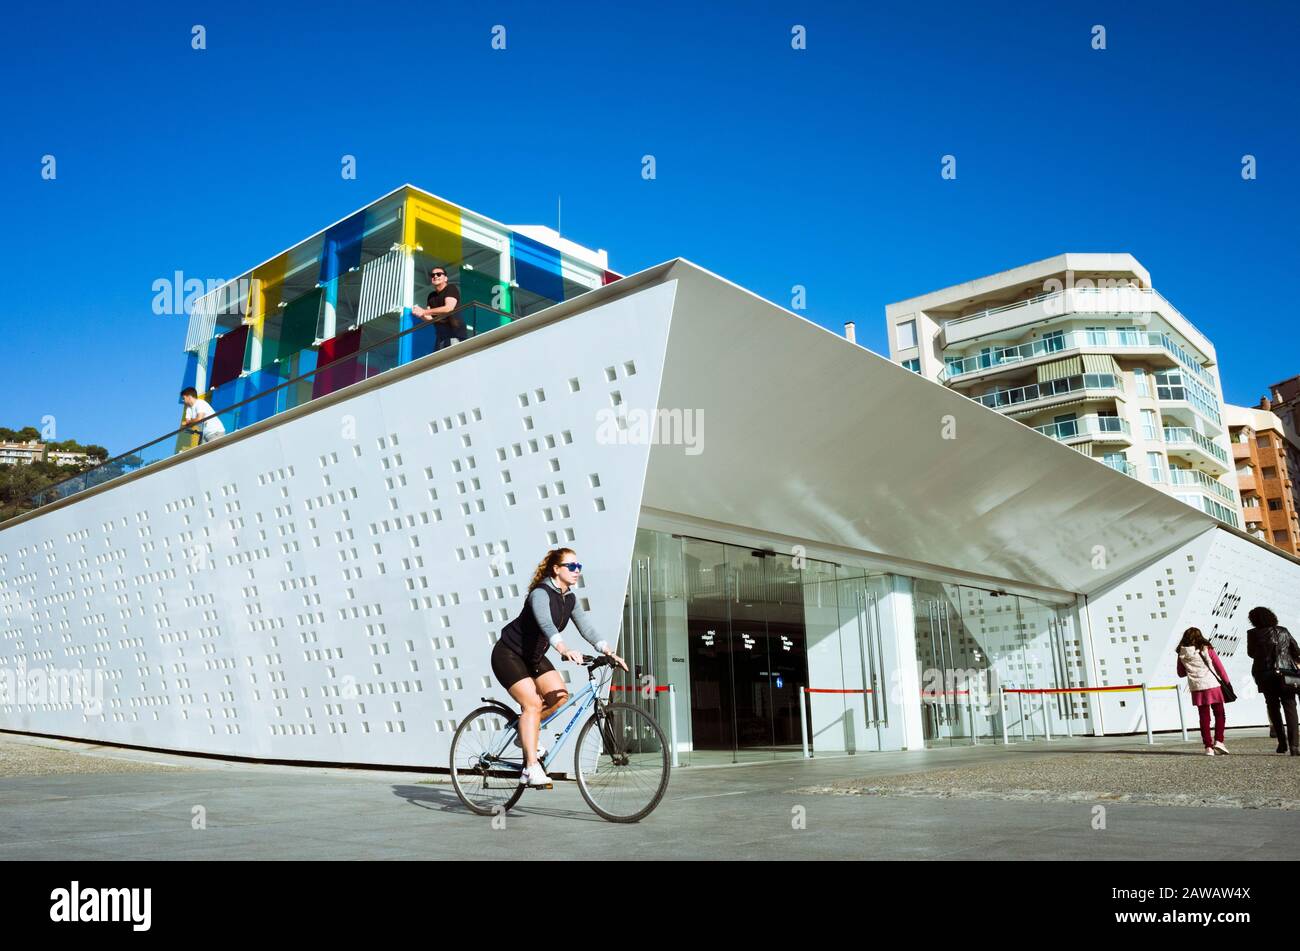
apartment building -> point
(20, 453)
(1284, 403)
(1082, 348)
(1264, 475)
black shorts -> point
(510, 666)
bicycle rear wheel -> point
(484, 769)
(622, 762)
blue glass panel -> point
(342, 249)
(191, 376)
(537, 267)
(265, 404)
(418, 343)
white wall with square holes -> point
(1211, 583)
(330, 590)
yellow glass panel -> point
(264, 291)
(433, 226)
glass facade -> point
(746, 654)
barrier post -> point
(1182, 720)
(970, 703)
(804, 713)
(1047, 723)
(1146, 714)
(672, 721)
(1023, 735)
(1069, 716)
(1002, 712)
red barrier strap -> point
(1128, 687)
(828, 690)
(631, 689)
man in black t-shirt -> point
(442, 301)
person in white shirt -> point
(199, 411)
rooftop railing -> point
(362, 364)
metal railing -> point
(362, 364)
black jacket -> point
(1270, 647)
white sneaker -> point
(534, 775)
(1209, 751)
(1220, 748)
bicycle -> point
(621, 763)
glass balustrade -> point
(257, 396)
(1175, 435)
(1088, 426)
(1195, 477)
(1048, 389)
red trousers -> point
(1205, 723)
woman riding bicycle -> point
(519, 657)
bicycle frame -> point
(579, 702)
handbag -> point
(1287, 678)
(1225, 686)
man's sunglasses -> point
(572, 565)
(438, 274)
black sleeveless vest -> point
(524, 635)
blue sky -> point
(775, 167)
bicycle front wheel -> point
(485, 768)
(622, 762)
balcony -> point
(1196, 448)
(1038, 395)
(1240, 450)
(1200, 480)
(1006, 358)
(1128, 468)
(1099, 301)
(1107, 429)
(1246, 481)
(1254, 515)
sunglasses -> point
(572, 565)
(438, 274)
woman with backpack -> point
(1207, 679)
(1276, 657)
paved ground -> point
(1253, 776)
(151, 809)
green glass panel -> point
(480, 288)
(297, 326)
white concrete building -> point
(326, 583)
(1083, 349)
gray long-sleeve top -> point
(539, 602)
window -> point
(1150, 428)
(1275, 505)
(914, 365)
(1281, 538)
(1096, 336)
(907, 334)
(1142, 381)
(1155, 466)
(1269, 472)
(1263, 442)
(1054, 340)
(1130, 336)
